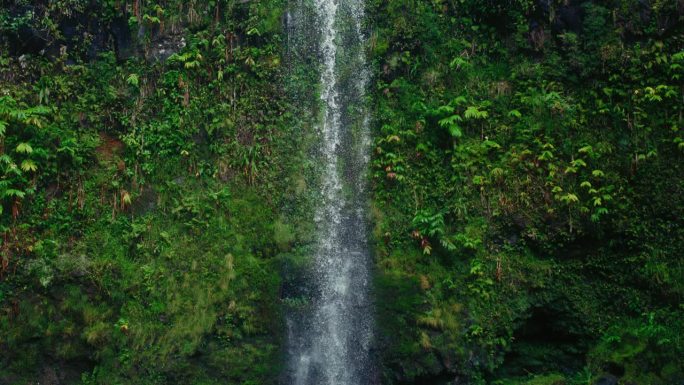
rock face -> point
(122, 38)
(568, 16)
(77, 35)
(165, 46)
(80, 35)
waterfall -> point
(329, 342)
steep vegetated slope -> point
(528, 182)
(155, 161)
(151, 168)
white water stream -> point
(330, 342)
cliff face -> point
(46, 29)
(523, 158)
(156, 190)
(150, 170)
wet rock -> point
(534, 25)
(27, 39)
(123, 40)
(69, 29)
(645, 11)
(82, 33)
(49, 376)
(141, 32)
(569, 18)
(607, 379)
(513, 239)
(545, 6)
(99, 39)
(456, 381)
(146, 202)
(165, 46)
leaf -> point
(579, 163)
(39, 110)
(13, 193)
(459, 100)
(545, 155)
(126, 198)
(34, 120)
(28, 165)
(443, 110)
(24, 148)
(3, 128)
(447, 244)
(422, 147)
(151, 19)
(449, 121)
(597, 173)
(489, 144)
(569, 198)
(497, 172)
(586, 150)
(455, 131)
(452, 125)
(515, 114)
(458, 63)
(133, 80)
(473, 112)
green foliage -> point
(143, 204)
(526, 173)
(638, 343)
(515, 150)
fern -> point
(29, 166)
(24, 148)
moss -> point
(156, 215)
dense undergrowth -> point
(149, 195)
(527, 179)
(528, 190)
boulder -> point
(165, 46)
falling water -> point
(330, 341)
